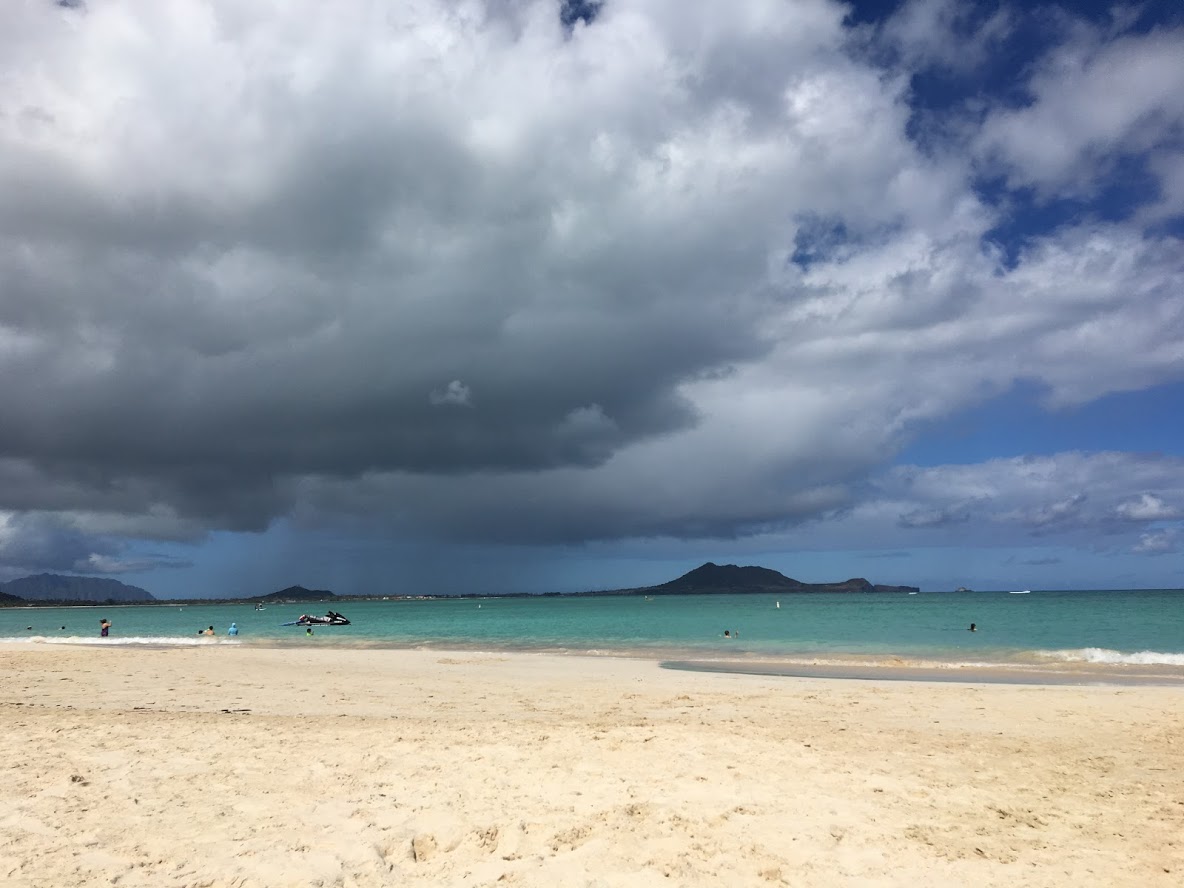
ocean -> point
(1139, 629)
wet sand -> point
(238, 766)
(1076, 674)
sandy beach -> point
(274, 767)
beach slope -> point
(274, 767)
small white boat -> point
(1025, 592)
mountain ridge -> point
(60, 587)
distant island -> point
(294, 593)
(729, 579)
(708, 579)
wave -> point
(131, 640)
(1104, 655)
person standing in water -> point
(104, 627)
(233, 630)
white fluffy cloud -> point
(683, 268)
(455, 393)
(946, 32)
(1147, 507)
(1095, 100)
(1160, 542)
(1072, 498)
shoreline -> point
(1007, 667)
(252, 766)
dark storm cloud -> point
(463, 271)
(39, 543)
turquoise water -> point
(1116, 627)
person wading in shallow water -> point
(104, 627)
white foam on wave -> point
(1104, 655)
(155, 640)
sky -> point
(450, 296)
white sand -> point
(367, 768)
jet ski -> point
(331, 618)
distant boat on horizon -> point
(1024, 592)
